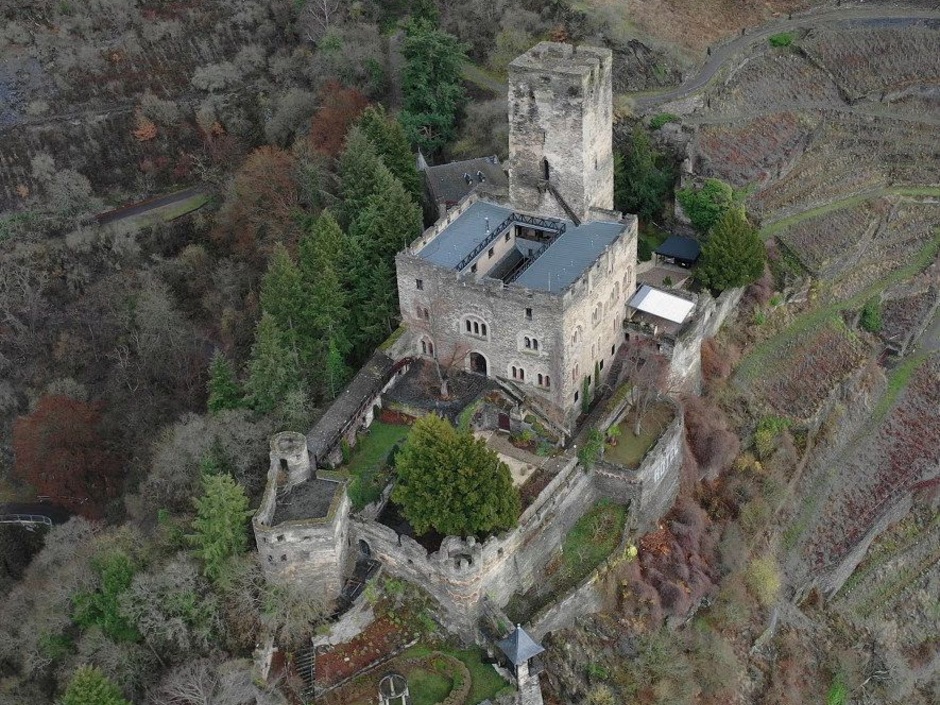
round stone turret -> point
(289, 454)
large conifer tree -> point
(224, 392)
(452, 483)
(733, 255)
(390, 141)
(274, 369)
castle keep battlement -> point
(301, 526)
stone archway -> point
(478, 364)
(365, 551)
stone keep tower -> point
(560, 134)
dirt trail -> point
(841, 17)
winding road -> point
(840, 17)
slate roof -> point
(557, 267)
(466, 232)
(567, 258)
(519, 647)
(448, 182)
(661, 304)
(683, 248)
(365, 385)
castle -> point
(528, 290)
(532, 288)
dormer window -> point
(467, 178)
(480, 177)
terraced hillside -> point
(73, 87)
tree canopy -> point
(733, 255)
(89, 686)
(642, 177)
(431, 83)
(452, 483)
(390, 141)
(61, 452)
(221, 523)
(224, 391)
(707, 204)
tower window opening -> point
(545, 169)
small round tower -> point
(289, 454)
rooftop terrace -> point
(573, 250)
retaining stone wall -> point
(686, 360)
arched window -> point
(424, 348)
(515, 372)
(548, 381)
(521, 374)
(430, 348)
(540, 379)
(527, 341)
(535, 344)
(473, 325)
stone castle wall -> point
(463, 571)
(686, 352)
(570, 339)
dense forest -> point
(144, 358)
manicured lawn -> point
(630, 449)
(486, 681)
(427, 687)
(368, 461)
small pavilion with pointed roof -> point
(519, 648)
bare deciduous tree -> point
(648, 371)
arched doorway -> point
(365, 551)
(477, 363)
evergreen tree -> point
(642, 178)
(431, 83)
(224, 391)
(281, 293)
(101, 608)
(389, 221)
(390, 141)
(358, 168)
(221, 523)
(89, 686)
(327, 322)
(452, 483)
(733, 255)
(336, 370)
(274, 368)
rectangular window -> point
(576, 395)
(419, 284)
(528, 314)
(506, 236)
(473, 269)
(490, 253)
